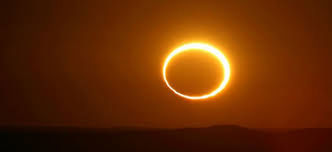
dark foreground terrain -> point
(218, 138)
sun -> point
(203, 47)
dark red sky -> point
(98, 64)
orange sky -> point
(99, 63)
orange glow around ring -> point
(204, 47)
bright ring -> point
(204, 47)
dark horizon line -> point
(69, 126)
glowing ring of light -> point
(204, 47)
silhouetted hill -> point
(216, 138)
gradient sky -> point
(98, 64)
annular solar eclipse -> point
(202, 47)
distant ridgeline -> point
(217, 138)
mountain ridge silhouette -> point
(214, 138)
